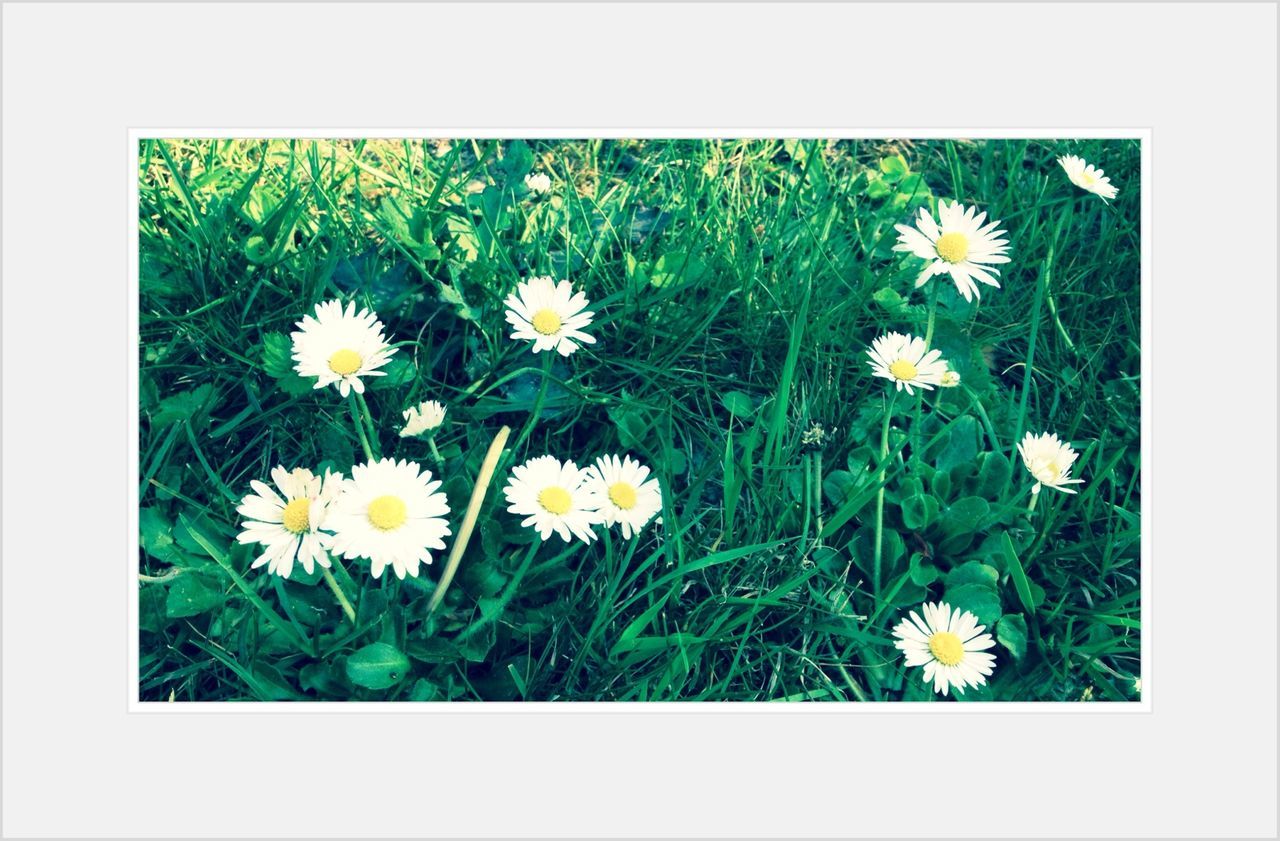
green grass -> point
(737, 285)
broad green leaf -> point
(191, 406)
(973, 572)
(964, 515)
(979, 599)
(189, 596)
(919, 511)
(993, 475)
(156, 534)
(277, 361)
(738, 403)
(893, 168)
(1011, 632)
(959, 446)
(377, 666)
(838, 485)
(517, 160)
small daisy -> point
(624, 495)
(426, 417)
(554, 497)
(537, 182)
(289, 523)
(958, 245)
(1088, 177)
(391, 513)
(340, 346)
(1049, 461)
(904, 360)
(949, 643)
(549, 315)
(950, 379)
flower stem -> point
(933, 312)
(339, 595)
(368, 419)
(537, 403)
(884, 473)
(507, 594)
(359, 425)
(487, 468)
(1035, 495)
(435, 453)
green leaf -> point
(676, 268)
(960, 446)
(838, 485)
(921, 574)
(373, 603)
(377, 666)
(400, 371)
(877, 188)
(189, 596)
(517, 160)
(980, 600)
(1018, 575)
(993, 475)
(964, 515)
(277, 361)
(893, 168)
(156, 534)
(1011, 632)
(191, 406)
(973, 572)
(738, 403)
(919, 511)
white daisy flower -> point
(537, 182)
(288, 523)
(554, 497)
(549, 315)
(949, 643)
(425, 417)
(391, 513)
(340, 346)
(1049, 461)
(950, 379)
(958, 245)
(905, 360)
(625, 493)
(1088, 177)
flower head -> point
(1049, 461)
(958, 244)
(391, 513)
(950, 379)
(549, 314)
(288, 523)
(625, 493)
(949, 643)
(554, 497)
(340, 346)
(425, 417)
(905, 360)
(537, 182)
(1088, 177)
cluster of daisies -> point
(393, 513)
(948, 642)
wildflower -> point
(950, 379)
(625, 493)
(537, 182)
(338, 347)
(288, 523)
(1049, 461)
(554, 497)
(391, 513)
(1088, 177)
(958, 245)
(904, 360)
(549, 314)
(949, 643)
(425, 417)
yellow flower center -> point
(946, 648)
(622, 495)
(345, 362)
(387, 512)
(1087, 179)
(555, 499)
(297, 515)
(546, 322)
(952, 247)
(903, 370)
